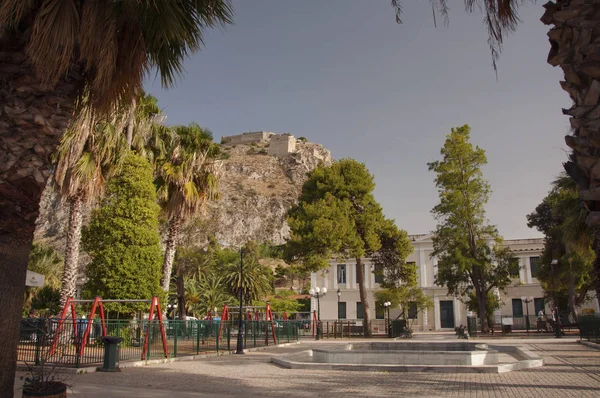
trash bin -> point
(111, 345)
(472, 325)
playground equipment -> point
(98, 305)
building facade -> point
(448, 311)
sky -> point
(342, 73)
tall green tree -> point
(123, 239)
(337, 216)
(51, 51)
(561, 217)
(469, 252)
(187, 179)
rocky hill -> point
(256, 191)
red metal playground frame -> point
(97, 304)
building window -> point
(341, 273)
(412, 310)
(534, 266)
(359, 310)
(342, 310)
(539, 305)
(517, 305)
(378, 273)
(379, 311)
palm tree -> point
(253, 279)
(575, 48)
(88, 152)
(52, 50)
(187, 179)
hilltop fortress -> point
(279, 144)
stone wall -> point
(282, 145)
(246, 138)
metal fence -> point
(345, 328)
(41, 341)
(589, 327)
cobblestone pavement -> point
(570, 370)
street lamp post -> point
(339, 296)
(173, 308)
(318, 293)
(556, 313)
(240, 336)
(387, 305)
(527, 300)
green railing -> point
(589, 327)
(39, 336)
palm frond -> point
(53, 39)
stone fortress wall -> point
(279, 144)
(247, 138)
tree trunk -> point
(69, 277)
(32, 118)
(575, 47)
(360, 278)
(481, 295)
(596, 270)
(171, 246)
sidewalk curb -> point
(134, 364)
(589, 344)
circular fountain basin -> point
(409, 354)
(446, 357)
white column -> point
(422, 268)
(522, 277)
(335, 274)
(366, 276)
(425, 325)
(372, 275)
(528, 270)
(456, 305)
(597, 305)
(313, 284)
(436, 313)
(353, 266)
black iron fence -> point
(589, 327)
(42, 340)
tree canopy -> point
(469, 251)
(337, 216)
(123, 239)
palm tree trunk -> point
(69, 278)
(575, 47)
(360, 278)
(171, 246)
(31, 121)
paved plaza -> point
(570, 370)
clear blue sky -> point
(342, 73)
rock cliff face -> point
(256, 192)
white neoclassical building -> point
(448, 311)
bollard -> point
(111, 345)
